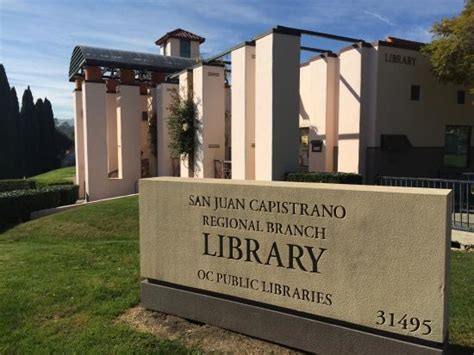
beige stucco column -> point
(357, 75)
(186, 91)
(163, 100)
(276, 105)
(95, 142)
(79, 140)
(209, 96)
(243, 113)
(319, 86)
(112, 143)
(129, 108)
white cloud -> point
(379, 17)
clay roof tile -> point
(180, 34)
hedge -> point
(16, 206)
(16, 184)
(40, 183)
(68, 193)
(334, 178)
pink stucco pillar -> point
(79, 140)
(276, 105)
(209, 97)
(163, 100)
(243, 113)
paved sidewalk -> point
(462, 240)
(79, 203)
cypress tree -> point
(30, 132)
(50, 133)
(5, 125)
(18, 166)
(41, 161)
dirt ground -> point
(205, 337)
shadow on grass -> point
(5, 227)
(459, 350)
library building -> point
(266, 108)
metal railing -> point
(462, 196)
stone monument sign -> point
(368, 262)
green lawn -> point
(67, 173)
(65, 278)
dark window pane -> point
(184, 48)
(461, 97)
(415, 93)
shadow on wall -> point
(350, 88)
(303, 112)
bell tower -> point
(180, 43)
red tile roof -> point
(180, 34)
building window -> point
(304, 148)
(457, 146)
(461, 97)
(184, 48)
(415, 93)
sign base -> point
(273, 325)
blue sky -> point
(37, 37)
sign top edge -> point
(305, 185)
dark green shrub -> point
(54, 183)
(334, 178)
(68, 193)
(182, 125)
(16, 206)
(16, 184)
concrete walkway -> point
(79, 203)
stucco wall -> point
(172, 47)
(195, 49)
(79, 141)
(112, 143)
(228, 122)
(318, 109)
(129, 109)
(423, 121)
(276, 106)
(98, 184)
(95, 144)
(350, 83)
(397, 114)
(209, 96)
(332, 113)
(357, 107)
(243, 113)
(163, 100)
